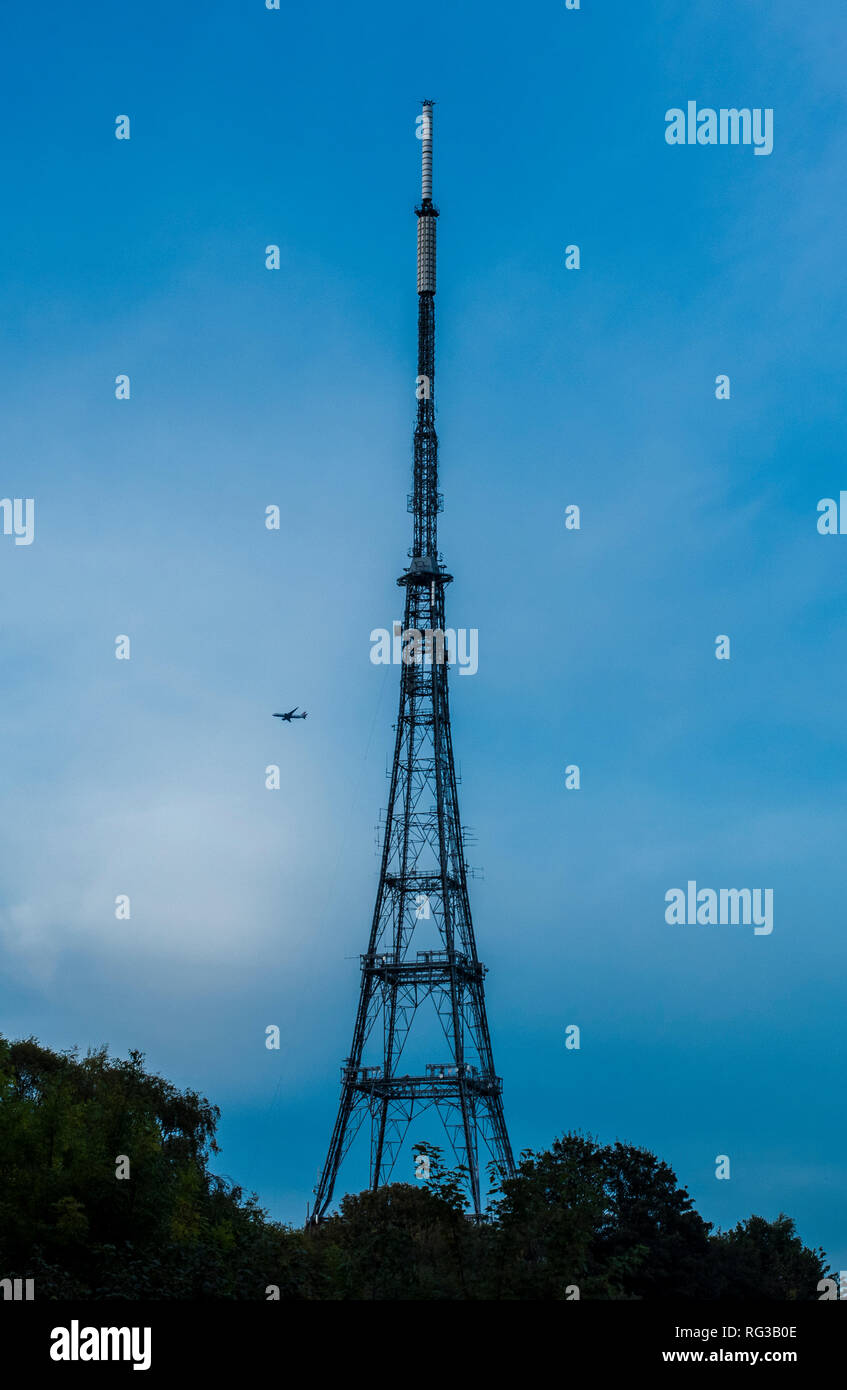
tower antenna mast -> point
(423, 889)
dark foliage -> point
(610, 1221)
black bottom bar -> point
(217, 1339)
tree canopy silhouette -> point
(106, 1193)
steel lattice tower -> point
(423, 871)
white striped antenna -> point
(426, 152)
(426, 213)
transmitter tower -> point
(423, 885)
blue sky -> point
(594, 387)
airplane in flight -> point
(290, 715)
